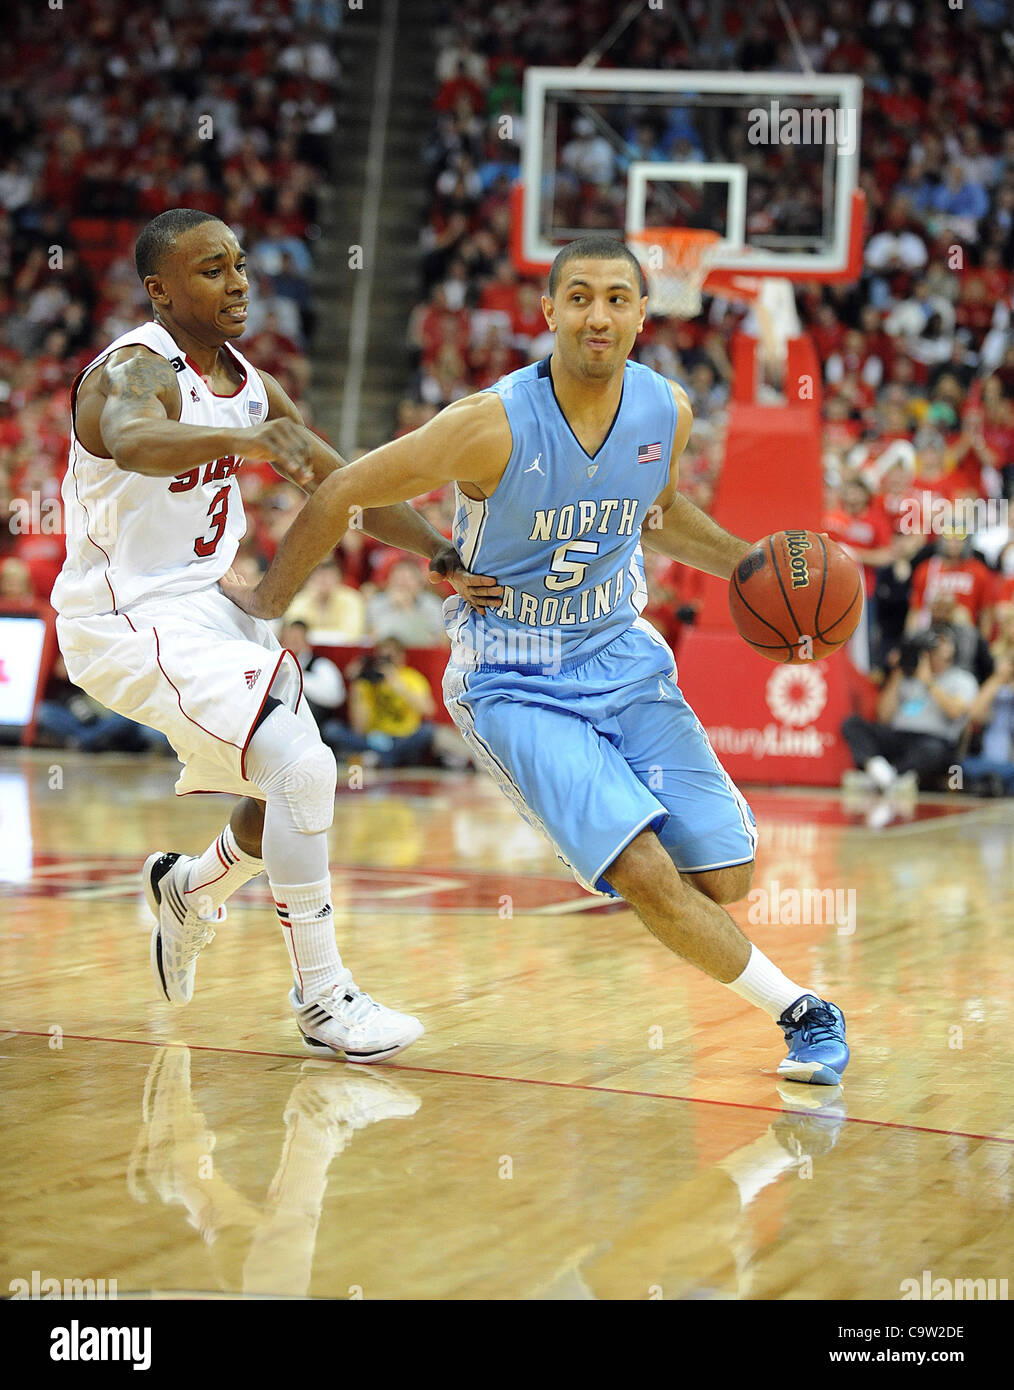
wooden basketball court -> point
(585, 1117)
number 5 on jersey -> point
(565, 573)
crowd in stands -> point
(231, 107)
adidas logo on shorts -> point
(251, 678)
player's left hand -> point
(481, 591)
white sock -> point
(221, 869)
(307, 918)
(764, 985)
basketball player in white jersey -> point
(162, 421)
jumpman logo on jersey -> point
(534, 466)
(662, 693)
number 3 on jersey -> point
(565, 573)
(218, 515)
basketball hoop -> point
(676, 262)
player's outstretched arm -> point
(689, 535)
(400, 526)
(681, 530)
(468, 443)
(139, 425)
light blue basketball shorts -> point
(600, 750)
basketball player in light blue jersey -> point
(563, 692)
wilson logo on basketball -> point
(797, 546)
(251, 678)
(796, 695)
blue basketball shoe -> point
(815, 1033)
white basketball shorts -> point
(195, 667)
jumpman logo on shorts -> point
(662, 692)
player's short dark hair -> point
(158, 238)
(595, 248)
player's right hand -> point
(282, 443)
(480, 591)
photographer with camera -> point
(993, 707)
(921, 714)
(390, 706)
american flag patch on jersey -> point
(256, 409)
(649, 453)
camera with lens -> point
(912, 649)
(371, 671)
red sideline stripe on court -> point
(534, 1081)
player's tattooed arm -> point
(469, 442)
(679, 529)
(140, 429)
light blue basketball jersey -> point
(562, 531)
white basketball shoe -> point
(181, 933)
(344, 1019)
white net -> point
(676, 262)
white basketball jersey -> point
(130, 536)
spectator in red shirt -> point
(433, 326)
(827, 332)
(971, 454)
(955, 570)
(998, 428)
(931, 464)
(860, 524)
(460, 86)
(892, 476)
(527, 320)
(995, 277)
(42, 554)
(880, 346)
(841, 428)
(974, 310)
(501, 293)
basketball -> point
(796, 597)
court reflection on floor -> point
(261, 1247)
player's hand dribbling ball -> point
(796, 596)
